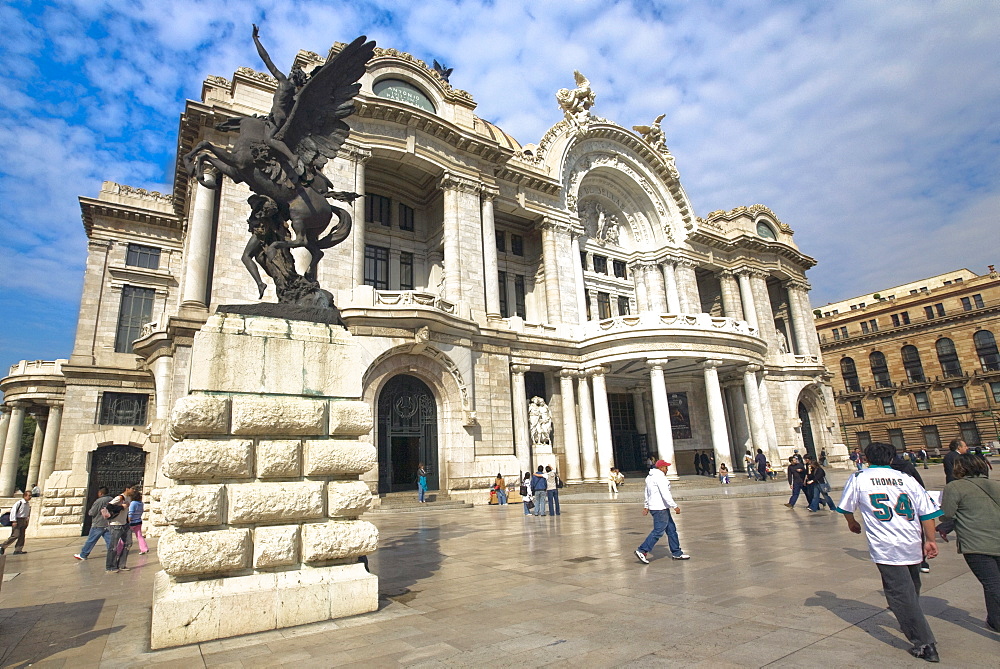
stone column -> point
(574, 472)
(35, 463)
(51, 443)
(4, 424)
(197, 255)
(639, 406)
(360, 157)
(641, 295)
(550, 255)
(749, 304)
(802, 321)
(492, 281)
(602, 418)
(12, 449)
(732, 305)
(716, 412)
(762, 305)
(661, 416)
(657, 289)
(581, 300)
(588, 445)
(758, 433)
(670, 283)
(768, 411)
(740, 422)
(162, 367)
(519, 404)
(687, 282)
(452, 240)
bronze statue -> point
(281, 156)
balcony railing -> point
(37, 367)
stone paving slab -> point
(766, 586)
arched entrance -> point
(807, 433)
(113, 467)
(407, 434)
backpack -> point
(5, 519)
(110, 510)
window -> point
(504, 308)
(836, 334)
(405, 217)
(934, 311)
(603, 306)
(923, 403)
(123, 409)
(619, 268)
(958, 279)
(931, 437)
(995, 389)
(850, 374)
(888, 406)
(948, 357)
(621, 407)
(902, 318)
(405, 270)
(912, 365)
(843, 332)
(958, 397)
(600, 264)
(143, 256)
(986, 349)
(896, 438)
(625, 310)
(135, 311)
(864, 438)
(519, 308)
(978, 301)
(966, 304)
(970, 433)
(858, 409)
(880, 370)
(501, 241)
(583, 259)
(377, 267)
(864, 327)
(517, 245)
(377, 209)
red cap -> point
(662, 463)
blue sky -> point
(872, 128)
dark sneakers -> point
(927, 653)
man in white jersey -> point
(899, 520)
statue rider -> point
(281, 107)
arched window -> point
(880, 370)
(948, 357)
(912, 365)
(850, 374)
(986, 349)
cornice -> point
(752, 211)
(91, 207)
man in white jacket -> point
(658, 503)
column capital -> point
(488, 192)
(359, 154)
(752, 272)
(712, 364)
(798, 284)
(554, 225)
(568, 373)
(752, 369)
(686, 263)
(657, 363)
(726, 274)
(458, 182)
(18, 404)
(519, 369)
(4, 409)
(597, 370)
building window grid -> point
(864, 327)
(504, 309)
(623, 306)
(621, 407)
(850, 373)
(864, 438)
(603, 305)
(948, 357)
(122, 409)
(517, 245)
(958, 397)
(377, 267)
(619, 268)
(922, 401)
(986, 350)
(501, 241)
(377, 209)
(147, 257)
(136, 310)
(888, 406)
(519, 306)
(970, 433)
(405, 217)
(912, 365)
(896, 438)
(880, 370)
(405, 270)
(600, 264)
(858, 409)
(995, 390)
(931, 437)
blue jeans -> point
(527, 499)
(421, 488)
(796, 489)
(662, 522)
(539, 503)
(553, 496)
(819, 496)
(95, 534)
(115, 559)
(502, 496)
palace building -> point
(917, 365)
(480, 273)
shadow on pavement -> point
(861, 615)
(33, 633)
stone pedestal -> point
(262, 525)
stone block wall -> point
(61, 506)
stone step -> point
(407, 501)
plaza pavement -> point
(766, 586)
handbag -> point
(524, 490)
(559, 482)
(531, 505)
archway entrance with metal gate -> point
(407, 434)
(114, 468)
(807, 433)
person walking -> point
(135, 509)
(761, 461)
(538, 487)
(706, 464)
(796, 480)
(526, 494)
(816, 476)
(822, 458)
(658, 504)
(899, 522)
(421, 483)
(748, 465)
(20, 515)
(972, 502)
(98, 525)
(956, 447)
(120, 532)
(923, 457)
(552, 490)
(697, 463)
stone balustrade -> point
(412, 298)
(647, 320)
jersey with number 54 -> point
(892, 505)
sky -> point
(870, 127)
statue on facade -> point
(443, 71)
(576, 102)
(281, 157)
(653, 135)
(539, 422)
